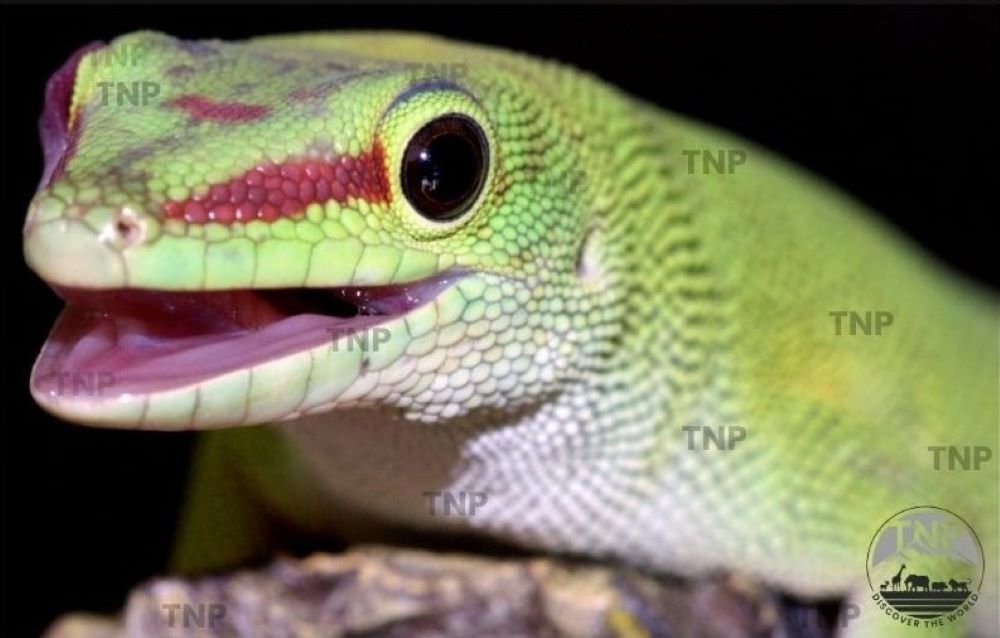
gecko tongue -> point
(139, 341)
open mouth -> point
(144, 341)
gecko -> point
(376, 268)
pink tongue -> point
(130, 359)
(140, 341)
(177, 314)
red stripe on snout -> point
(202, 108)
(271, 191)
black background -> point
(898, 105)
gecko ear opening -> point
(588, 260)
(53, 125)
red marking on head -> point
(301, 94)
(202, 108)
(270, 191)
(180, 70)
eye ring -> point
(444, 167)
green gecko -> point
(443, 267)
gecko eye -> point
(444, 167)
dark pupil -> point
(444, 167)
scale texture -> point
(610, 297)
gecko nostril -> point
(129, 229)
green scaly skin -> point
(610, 299)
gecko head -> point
(253, 231)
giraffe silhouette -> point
(898, 577)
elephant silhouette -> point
(917, 582)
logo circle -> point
(926, 563)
